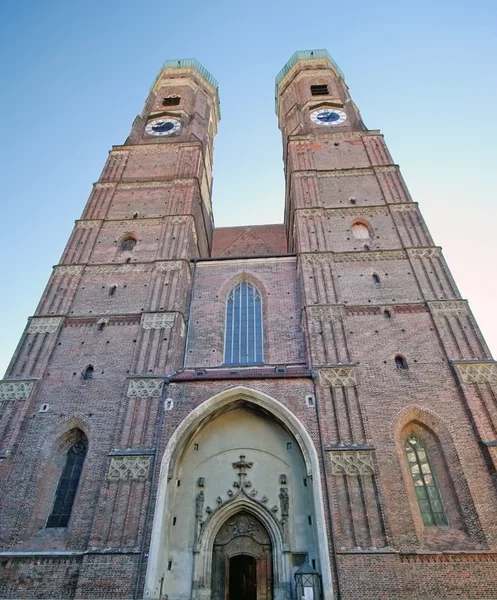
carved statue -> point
(284, 502)
(199, 505)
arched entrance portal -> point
(242, 560)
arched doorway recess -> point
(173, 569)
(242, 560)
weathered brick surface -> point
(326, 318)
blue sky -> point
(75, 74)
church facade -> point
(305, 410)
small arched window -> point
(68, 484)
(101, 324)
(243, 334)
(127, 244)
(426, 486)
(87, 373)
(387, 314)
(360, 231)
(376, 278)
(112, 290)
(400, 363)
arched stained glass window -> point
(68, 484)
(425, 484)
(243, 336)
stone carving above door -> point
(242, 487)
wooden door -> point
(242, 584)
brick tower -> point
(250, 413)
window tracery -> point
(68, 484)
(243, 334)
(426, 486)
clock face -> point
(328, 116)
(163, 126)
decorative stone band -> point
(352, 211)
(340, 257)
(337, 376)
(352, 462)
(326, 314)
(157, 320)
(448, 557)
(424, 252)
(370, 256)
(149, 387)
(345, 172)
(407, 207)
(15, 390)
(68, 270)
(449, 308)
(477, 372)
(124, 468)
(44, 324)
(170, 265)
(87, 224)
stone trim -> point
(87, 224)
(477, 372)
(343, 376)
(158, 320)
(15, 390)
(386, 168)
(433, 252)
(170, 265)
(352, 462)
(370, 256)
(326, 314)
(69, 270)
(161, 266)
(150, 183)
(405, 207)
(449, 308)
(150, 387)
(44, 324)
(124, 268)
(104, 184)
(445, 557)
(359, 256)
(353, 210)
(336, 173)
(124, 468)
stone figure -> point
(284, 502)
(199, 505)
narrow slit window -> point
(400, 363)
(243, 335)
(376, 278)
(426, 486)
(68, 485)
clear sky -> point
(75, 74)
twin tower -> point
(305, 410)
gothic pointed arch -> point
(268, 510)
(243, 331)
(438, 497)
